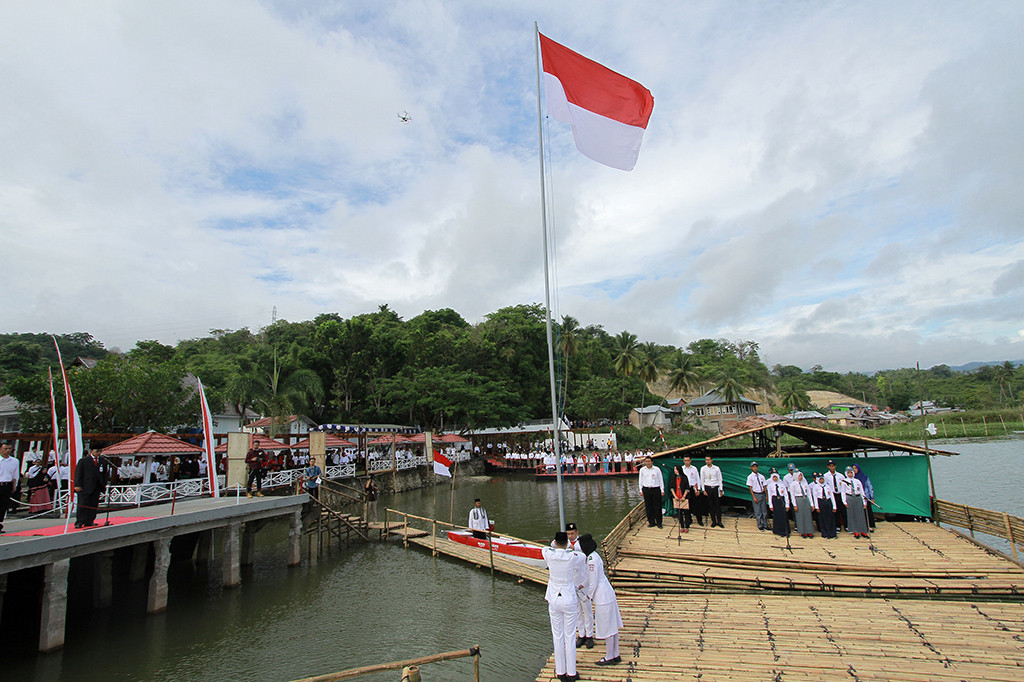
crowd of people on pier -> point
(584, 461)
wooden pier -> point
(913, 602)
(147, 532)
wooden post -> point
(490, 551)
(984, 420)
(1009, 534)
(963, 426)
(1005, 432)
(433, 533)
(970, 521)
(294, 537)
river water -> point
(379, 602)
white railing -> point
(382, 464)
(273, 479)
(341, 470)
(142, 493)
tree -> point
(793, 397)
(1004, 375)
(728, 386)
(568, 346)
(650, 360)
(682, 373)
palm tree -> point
(568, 346)
(728, 386)
(625, 361)
(279, 390)
(793, 397)
(650, 361)
(682, 375)
(1004, 375)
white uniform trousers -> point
(585, 617)
(563, 611)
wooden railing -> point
(997, 524)
(610, 546)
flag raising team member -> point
(607, 111)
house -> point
(713, 410)
(10, 421)
(652, 415)
(292, 425)
(923, 407)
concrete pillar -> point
(204, 545)
(3, 590)
(103, 579)
(158, 581)
(54, 606)
(248, 557)
(229, 560)
(140, 557)
(238, 445)
(294, 536)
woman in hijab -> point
(39, 488)
(607, 620)
(681, 498)
(869, 493)
(800, 492)
(778, 504)
(856, 504)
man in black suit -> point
(89, 484)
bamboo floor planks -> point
(737, 604)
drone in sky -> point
(404, 117)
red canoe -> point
(509, 547)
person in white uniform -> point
(607, 619)
(478, 520)
(566, 575)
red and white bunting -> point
(208, 444)
(74, 425)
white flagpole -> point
(555, 440)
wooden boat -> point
(511, 548)
(545, 476)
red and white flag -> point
(607, 111)
(211, 461)
(442, 465)
(74, 425)
(53, 418)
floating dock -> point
(913, 602)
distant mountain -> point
(971, 366)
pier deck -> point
(916, 602)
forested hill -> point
(437, 370)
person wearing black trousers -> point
(652, 485)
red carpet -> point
(59, 530)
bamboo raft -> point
(742, 604)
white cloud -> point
(839, 182)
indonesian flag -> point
(607, 111)
(211, 461)
(442, 465)
(74, 425)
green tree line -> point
(437, 370)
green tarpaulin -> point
(900, 482)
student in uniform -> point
(856, 505)
(833, 483)
(869, 493)
(778, 503)
(566, 574)
(756, 483)
(800, 494)
(607, 619)
(825, 506)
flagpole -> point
(555, 440)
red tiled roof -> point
(333, 440)
(151, 443)
(259, 442)
(386, 440)
(259, 423)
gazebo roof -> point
(151, 443)
(387, 440)
(259, 442)
(331, 440)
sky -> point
(837, 181)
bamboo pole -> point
(964, 426)
(984, 421)
(1005, 432)
(1009, 534)
(397, 665)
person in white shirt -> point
(800, 493)
(618, 461)
(652, 485)
(824, 504)
(833, 483)
(756, 483)
(699, 504)
(607, 619)
(778, 503)
(566, 575)
(478, 520)
(711, 483)
(10, 471)
(856, 503)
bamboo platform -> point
(914, 602)
(751, 637)
(899, 559)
